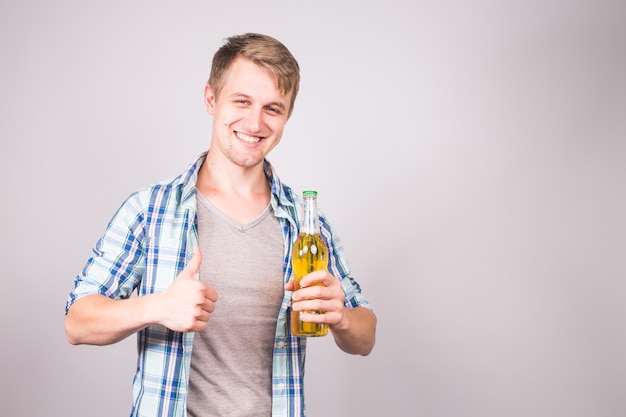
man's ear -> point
(209, 99)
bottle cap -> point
(309, 193)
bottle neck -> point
(310, 223)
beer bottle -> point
(309, 254)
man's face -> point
(249, 115)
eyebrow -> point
(278, 104)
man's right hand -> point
(187, 304)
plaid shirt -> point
(148, 242)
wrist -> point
(149, 310)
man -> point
(222, 230)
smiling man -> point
(209, 256)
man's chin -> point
(245, 161)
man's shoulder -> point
(155, 190)
(172, 191)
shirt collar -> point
(281, 195)
(186, 187)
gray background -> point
(471, 155)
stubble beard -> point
(242, 160)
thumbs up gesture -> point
(187, 303)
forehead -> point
(246, 77)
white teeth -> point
(249, 139)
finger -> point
(193, 266)
(321, 277)
(210, 293)
(208, 305)
(313, 317)
(204, 316)
(199, 326)
(310, 305)
(310, 293)
(289, 286)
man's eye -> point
(273, 110)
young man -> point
(209, 254)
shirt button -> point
(281, 344)
(280, 386)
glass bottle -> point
(309, 254)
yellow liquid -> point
(309, 254)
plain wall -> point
(472, 156)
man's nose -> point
(254, 119)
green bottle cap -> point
(309, 192)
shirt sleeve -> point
(339, 267)
(117, 263)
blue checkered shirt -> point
(148, 242)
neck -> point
(217, 176)
(240, 193)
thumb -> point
(193, 266)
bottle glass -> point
(309, 254)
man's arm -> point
(185, 306)
(356, 333)
(99, 320)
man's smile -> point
(247, 138)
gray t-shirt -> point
(231, 364)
